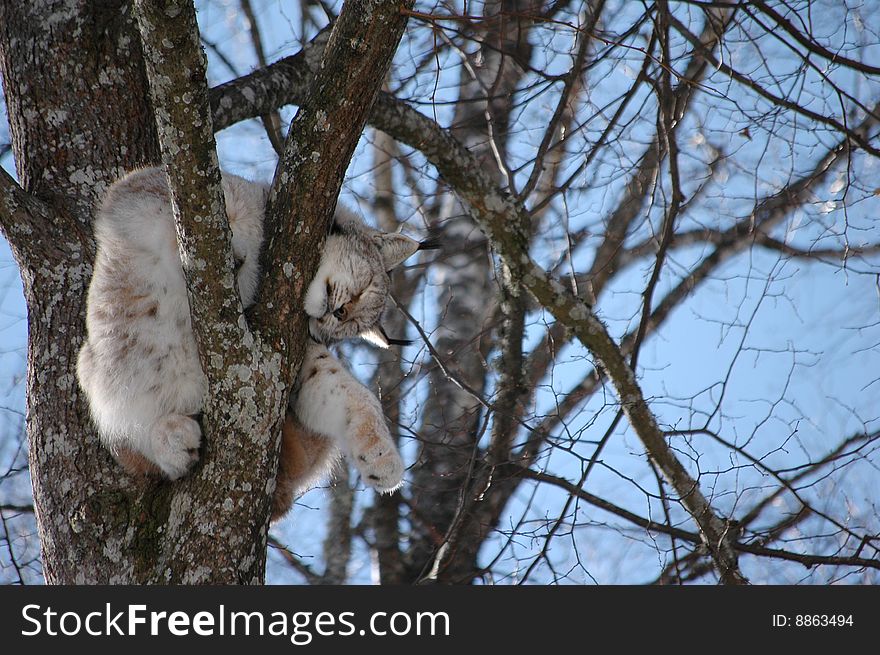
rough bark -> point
(70, 140)
(227, 496)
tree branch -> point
(765, 215)
(810, 44)
(284, 82)
(610, 253)
(239, 454)
(272, 120)
(808, 560)
(857, 138)
(176, 71)
(320, 143)
(601, 503)
(298, 565)
(299, 211)
(499, 217)
(25, 221)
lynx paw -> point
(376, 458)
(381, 468)
(176, 444)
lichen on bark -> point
(96, 525)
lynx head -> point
(348, 295)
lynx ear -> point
(394, 248)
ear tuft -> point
(432, 243)
(395, 248)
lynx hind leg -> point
(135, 464)
(142, 446)
(306, 458)
(175, 442)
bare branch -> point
(283, 82)
(291, 558)
(765, 215)
(809, 560)
(855, 136)
(611, 508)
(319, 146)
(810, 44)
(840, 451)
(272, 120)
(24, 220)
(667, 121)
(17, 509)
(569, 89)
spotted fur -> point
(139, 367)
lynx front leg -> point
(370, 446)
(333, 403)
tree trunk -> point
(452, 422)
(70, 141)
(79, 106)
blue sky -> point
(778, 355)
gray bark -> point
(70, 140)
(227, 496)
(77, 95)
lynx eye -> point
(340, 312)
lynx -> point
(139, 367)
